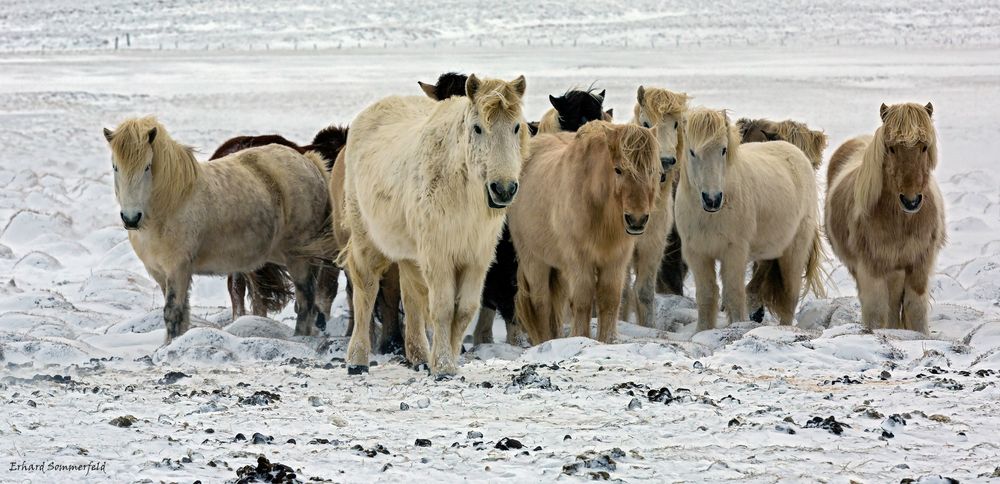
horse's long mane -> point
(906, 124)
(660, 103)
(704, 126)
(635, 146)
(174, 166)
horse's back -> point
(846, 152)
(549, 122)
(779, 162)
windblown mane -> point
(906, 124)
(660, 103)
(496, 99)
(328, 142)
(450, 84)
(704, 126)
(634, 145)
(811, 142)
(174, 166)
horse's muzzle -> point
(711, 203)
(911, 205)
(131, 222)
(666, 163)
(500, 194)
(635, 225)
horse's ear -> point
(609, 115)
(557, 102)
(519, 85)
(472, 85)
(640, 96)
(108, 134)
(429, 89)
(929, 108)
(601, 95)
(883, 111)
(152, 134)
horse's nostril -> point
(512, 190)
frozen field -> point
(76, 303)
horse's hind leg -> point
(673, 270)
(916, 298)
(414, 294)
(896, 284)
(533, 304)
(176, 310)
(303, 274)
(392, 334)
(326, 290)
(237, 286)
(483, 334)
(365, 266)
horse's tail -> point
(328, 143)
(814, 267)
(270, 289)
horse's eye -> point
(892, 150)
(675, 124)
(692, 154)
(114, 167)
(925, 149)
(645, 124)
(517, 128)
(618, 171)
(723, 151)
(477, 129)
(149, 166)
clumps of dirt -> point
(929, 479)
(598, 466)
(124, 421)
(844, 380)
(372, 452)
(265, 471)
(829, 424)
(528, 377)
(172, 377)
(260, 398)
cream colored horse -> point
(234, 214)
(741, 203)
(586, 198)
(885, 215)
(662, 111)
(426, 186)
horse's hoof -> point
(444, 377)
(421, 368)
(758, 315)
(321, 322)
(391, 347)
(357, 369)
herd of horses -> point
(448, 205)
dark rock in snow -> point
(123, 421)
(172, 377)
(508, 443)
(261, 439)
(829, 424)
(634, 404)
(422, 443)
(260, 397)
(474, 435)
(528, 377)
(265, 471)
(929, 479)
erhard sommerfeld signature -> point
(49, 466)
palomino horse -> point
(426, 186)
(662, 111)
(741, 203)
(270, 286)
(230, 215)
(573, 109)
(585, 198)
(811, 142)
(885, 215)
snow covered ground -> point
(81, 330)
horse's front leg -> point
(706, 289)
(873, 291)
(916, 298)
(237, 285)
(582, 287)
(176, 311)
(732, 269)
(610, 280)
(469, 296)
(441, 292)
(483, 334)
(413, 290)
(364, 267)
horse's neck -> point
(446, 129)
(173, 181)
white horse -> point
(742, 203)
(234, 214)
(426, 186)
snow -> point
(76, 302)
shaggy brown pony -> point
(584, 198)
(270, 287)
(885, 215)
